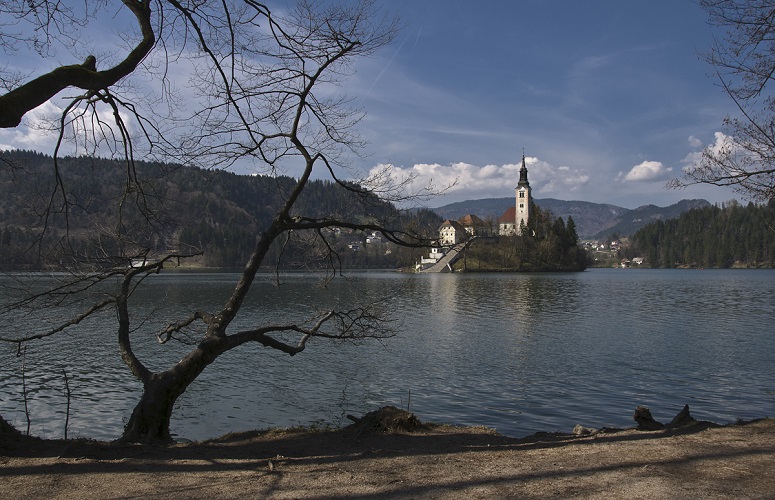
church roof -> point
(510, 215)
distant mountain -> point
(590, 218)
(632, 220)
(489, 208)
(593, 220)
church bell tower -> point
(523, 198)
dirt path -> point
(736, 461)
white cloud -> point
(467, 181)
(34, 132)
(691, 159)
(695, 142)
(721, 142)
(556, 181)
(646, 171)
(39, 129)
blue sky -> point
(607, 98)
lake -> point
(518, 352)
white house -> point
(451, 233)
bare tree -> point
(49, 20)
(744, 62)
(264, 91)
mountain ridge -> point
(593, 220)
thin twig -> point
(24, 388)
(67, 394)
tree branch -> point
(166, 334)
(394, 236)
(71, 322)
(16, 103)
(260, 335)
(355, 324)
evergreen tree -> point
(731, 235)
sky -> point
(608, 99)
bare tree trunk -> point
(271, 105)
(150, 419)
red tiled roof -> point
(510, 215)
(471, 220)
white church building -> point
(511, 222)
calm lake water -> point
(518, 352)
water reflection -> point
(517, 352)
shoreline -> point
(733, 461)
(698, 460)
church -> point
(453, 232)
(511, 222)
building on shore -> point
(474, 226)
(451, 233)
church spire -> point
(522, 215)
(523, 173)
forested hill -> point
(732, 235)
(166, 208)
